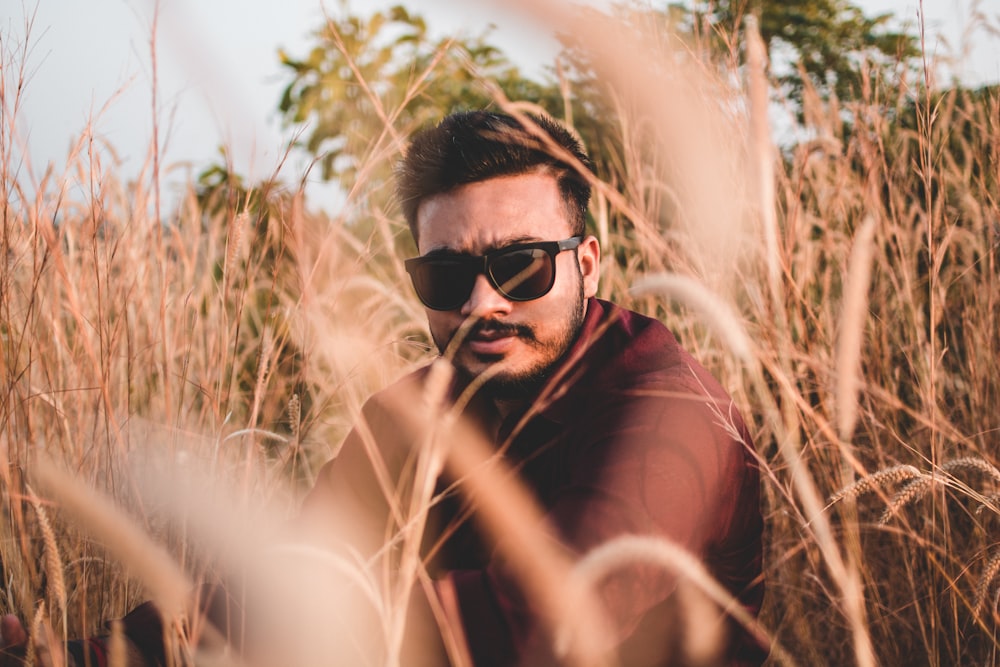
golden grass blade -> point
(716, 313)
(974, 463)
(504, 509)
(705, 632)
(763, 152)
(850, 339)
(507, 512)
(692, 135)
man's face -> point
(518, 341)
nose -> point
(485, 301)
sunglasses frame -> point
(482, 264)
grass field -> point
(195, 366)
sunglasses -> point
(519, 272)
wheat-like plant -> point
(916, 484)
(987, 581)
(990, 502)
(911, 492)
(974, 463)
(887, 476)
(53, 561)
(295, 417)
(38, 632)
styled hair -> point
(472, 146)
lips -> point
(492, 334)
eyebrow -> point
(446, 251)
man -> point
(610, 424)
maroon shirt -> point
(640, 440)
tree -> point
(827, 42)
(368, 83)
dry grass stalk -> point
(234, 245)
(431, 428)
(851, 335)
(990, 502)
(704, 629)
(263, 369)
(509, 513)
(295, 417)
(37, 631)
(763, 151)
(714, 312)
(44, 648)
(117, 645)
(916, 483)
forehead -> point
(488, 214)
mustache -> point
(496, 328)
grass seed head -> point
(879, 479)
(913, 491)
(990, 572)
(974, 463)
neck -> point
(506, 406)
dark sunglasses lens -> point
(443, 284)
(523, 275)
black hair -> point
(472, 146)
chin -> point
(507, 378)
(511, 383)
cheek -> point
(569, 282)
(437, 320)
(443, 324)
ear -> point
(589, 255)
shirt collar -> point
(569, 379)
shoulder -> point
(627, 353)
(381, 428)
(405, 388)
(642, 389)
(624, 344)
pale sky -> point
(219, 78)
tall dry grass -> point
(195, 366)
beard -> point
(529, 382)
(524, 383)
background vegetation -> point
(843, 285)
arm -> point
(93, 651)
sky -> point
(218, 76)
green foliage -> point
(827, 43)
(256, 276)
(364, 86)
(367, 83)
